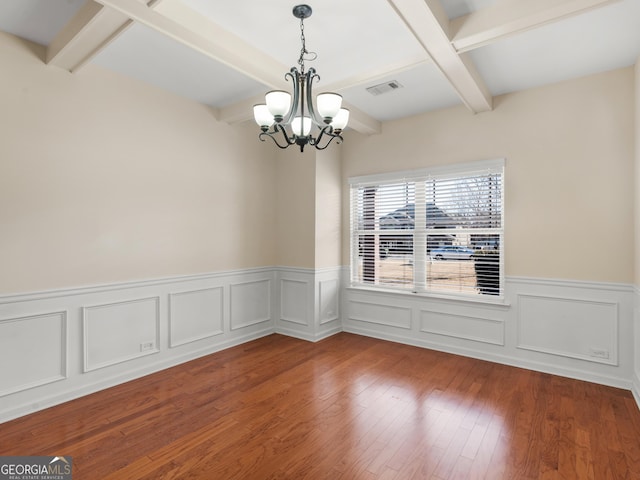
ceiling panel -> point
(422, 89)
(147, 55)
(36, 20)
(596, 41)
(458, 8)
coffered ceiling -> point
(435, 53)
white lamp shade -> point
(278, 102)
(297, 123)
(328, 104)
(262, 115)
(341, 119)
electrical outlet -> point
(599, 352)
(145, 346)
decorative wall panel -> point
(462, 326)
(583, 329)
(329, 300)
(33, 351)
(381, 314)
(250, 303)
(294, 301)
(195, 315)
(118, 332)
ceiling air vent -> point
(384, 87)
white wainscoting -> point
(585, 329)
(329, 298)
(60, 345)
(294, 300)
(103, 326)
(195, 315)
(38, 343)
(309, 302)
(250, 303)
(67, 343)
(580, 330)
(368, 310)
(636, 346)
(476, 328)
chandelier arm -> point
(311, 76)
(328, 130)
(272, 135)
(316, 141)
(294, 75)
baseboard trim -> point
(308, 337)
(635, 389)
(501, 359)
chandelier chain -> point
(304, 53)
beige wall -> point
(328, 207)
(296, 208)
(569, 171)
(105, 179)
(309, 207)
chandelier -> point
(286, 121)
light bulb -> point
(297, 123)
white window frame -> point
(495, 166)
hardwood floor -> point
(348, 407)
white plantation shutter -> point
(437, 230)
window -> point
(430, 231)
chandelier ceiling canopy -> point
(289, 119)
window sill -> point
(459, 299)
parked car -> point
(452, 252)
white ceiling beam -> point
(510, 17)
(86, 33)
(429, 24)
(90, 30)
(361, 122)
(206, 37)
(239, 112)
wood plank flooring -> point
(348, 407)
